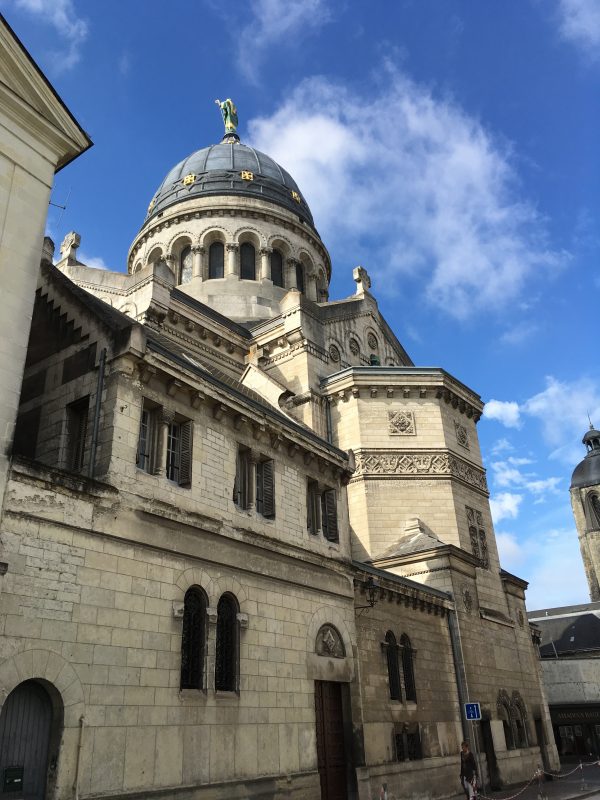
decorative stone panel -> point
(329, 643)
(426, 464)
(462, 435)
(401, 423)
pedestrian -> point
(468, 771)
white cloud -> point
(519, 333)
(562, 408)
(407, 183)
(512, 554)
(92, 261)
(281, 23)
(579, 23)
(502, 446)
(71, 28)
(505, 506)
(504, 411)
(551, 559)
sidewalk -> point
(582, 783)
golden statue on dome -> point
(229, 114)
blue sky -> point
(448, 146)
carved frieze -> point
(433, 463)
(401, 423)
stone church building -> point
(247, 542)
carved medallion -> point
(329, 643)
(334, 353)
(189, 179)
(354, 347)
(462, 436)
(372, 341)
(401, 423)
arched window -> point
(408, 668)
(594, 508)
(391, 649)
(226, 664)
(185, 265)
(277, 268)
(504, 713)
(193, 639)
(247, 262)
(216, 260)
(519, 716)
(300, 277)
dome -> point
(587, 472)
(230, 168)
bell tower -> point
(585, 499)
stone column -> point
(160, 462)
(290, 264)
(265, 266)
(170, 262)
(311, 286)
(197, 267)
(232, 259)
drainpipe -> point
(461, 684)
(101, 366)
(77, 765)
(328, 420)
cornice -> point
(353, 381)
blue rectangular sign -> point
(472, 711)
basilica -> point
(246, 542)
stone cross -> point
(69, 245)
(363, 282)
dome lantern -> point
(587, 472)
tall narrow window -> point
(408, 668)
(247, 262)
(193, 640)
(226, 662)
(265, 489)
(185, 265)
(329, 515)
(300, 277)
(242, 484)
(77, 418)
(391, 651)
(313, 507)
(179, 452)
(277, 268)
(216, 260)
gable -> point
(28, 96)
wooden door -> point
(331, 750)
(25, 725)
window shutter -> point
(268, 489)
(237, 484)
(329, 522)
(309, 515)
(185, 469)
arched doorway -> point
(25, 731)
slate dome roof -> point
(587, 472)
(230, 168)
